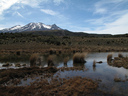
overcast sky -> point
(91, 16)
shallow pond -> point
(102, 72)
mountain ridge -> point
(31, 27)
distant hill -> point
(64, 33)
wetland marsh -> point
(68, 65)
(110, 79)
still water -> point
(102, 71)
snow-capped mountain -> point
(31, 27)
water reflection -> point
(102, 71)
(65, 60)
(65, 64)
(94, 68)
(82, 65)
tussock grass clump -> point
(119, 61)
(79, 57)
(24, 64)
(50, 60)
(6, 65)
(109, 57)
(66, 60)
(18, 65)
(33, 59)
(117, 79)
(120, 55)
(117, 58)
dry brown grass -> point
(18, 65)
(109, 58)
(6, 65)
(8, 74)
(51, 59)
(119, 62)
(94, 63)
(72, 45)
(120, 55)
(66, 60)
(79, 57)
(33, 59)
(76, 86)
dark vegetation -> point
(12, 57)
(21, 43)
(63, 33)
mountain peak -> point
(54, 26)
(32, 27)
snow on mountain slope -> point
(47, 26)
(31, 27)
(15, 27)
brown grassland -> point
(17, 43)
